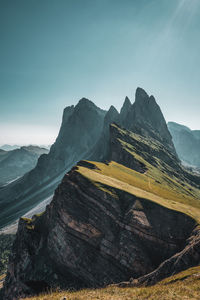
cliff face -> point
(80, 129)
(90, 237)
(101, 149)
(107, 223)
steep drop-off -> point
(108, 222)
(80, 129)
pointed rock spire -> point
(111, 116)
(141, 95)
(126, 106)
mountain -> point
(84, 134)
(7, 147)
(134, 216)
(187, 143)
(16, 163)
(80, 129)
(144, 117)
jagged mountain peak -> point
(84, 102)
(111, 114)
(127, 102)
(146, 118)
(143, 99)
(141, 94)
(126, 106)
(67, 112)
(84, 106)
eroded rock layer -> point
(91, 237)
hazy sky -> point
(54, 52)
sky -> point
(54, 52)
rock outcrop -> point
(183, 260)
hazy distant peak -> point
(7, 147)
(177, 126)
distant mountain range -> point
(129, 213)
(186, 142)
(7, 147)
(15, 163)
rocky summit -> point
(132, 219)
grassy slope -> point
(162, 189)
(183, 286)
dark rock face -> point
(124, 112)
(146, 118)
(16, 163)
(80, 129)
(143, 117)
(187, 258)
(89, 238)
(100, 150)
(187, 143)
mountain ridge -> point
(113, 214)
(84, 134)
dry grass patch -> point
(183, 286)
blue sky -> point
(54, 52)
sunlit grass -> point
(162, 190)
